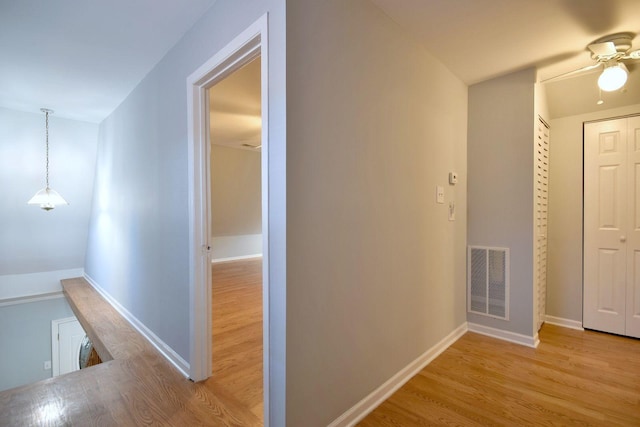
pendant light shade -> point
(613, 77)
(47, 198)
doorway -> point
(612, 226)
(247, 46)
(235, 134)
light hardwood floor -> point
(237, 331)
(573, 378)
(135, 385)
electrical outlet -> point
(47, 365)
(452, 211)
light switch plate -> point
(439, 194)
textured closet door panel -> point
(605, 225)
(541, 181)
(633, 234)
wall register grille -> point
(488, 281)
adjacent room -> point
(236, 234)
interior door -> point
(632, 325)
(605, 225)
(67, 337)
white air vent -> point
(488, 281)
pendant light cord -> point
(46, 121)
(47, 198)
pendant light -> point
(47, 198)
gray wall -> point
(500, 169)
(25, 340)
(564, 275)
(138, 246)
(235, 192)
(376, 272)
(32, 240)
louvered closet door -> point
(541, 209)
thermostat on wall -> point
(453, 178)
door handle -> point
(623, 239)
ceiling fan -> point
(611, 53)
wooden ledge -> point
(135, 384)
(112, 336)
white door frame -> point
(250, 44)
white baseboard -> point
(382, 393)
(567, 323)
(529, 341)
(235, 258)
(160, 345)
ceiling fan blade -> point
(603, 49)
(572, 73)
(632, 55)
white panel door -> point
(633, 234)
(605, 225)
(68, 335)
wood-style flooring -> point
(237, 331)
(573, 378)
(134, 386)
(580, 378)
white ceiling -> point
(82, 58)
(481, 39)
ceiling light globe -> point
(613, 78)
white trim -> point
(263, 24)
(251, 43)
(30, 298)
(566, 323)
(31, 284)
(235, 258)
(382, 393)
(529, 341)
(160, 345)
